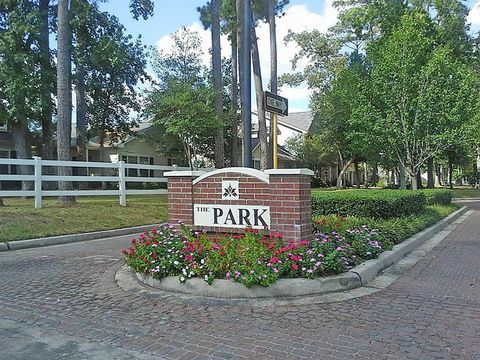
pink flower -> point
(339, 248)
(295, 267)
(303, 242)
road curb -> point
(288, 288)
(227, 289)
(368, 270)
(73, 238)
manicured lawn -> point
(466, 192)
(20, 220)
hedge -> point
(396, 230)
(377, 204)
(438, 196)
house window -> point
(256, 164)
(143, 160)
(171, 162)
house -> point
(288, 126)
(133, 150)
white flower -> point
(175, 262)
(202, 261)
(206, 277)
(182, 279)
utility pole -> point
(246, 85)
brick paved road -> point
(431, 312)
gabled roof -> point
(282, 152)
(298, 120)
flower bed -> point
(252, 258)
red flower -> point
(188, 257)
(274, 260)
(303, 242)
(295, 267)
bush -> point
(378, 204)
(438, 196)
(251, 258)
(393, 230)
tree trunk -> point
(81, 112)
(374, 174)
(342, 172)
(419, 179)
(262, 123)
(402, 183)
(20, 142)
(450, 171)
(239, 8)
(414, 182)
(430, 174)
(273, 70)
(217, 83)
(477, 172)
(235, 159)
(365, 175)
(438, 171)
(64, 96)
(46, 83)
(357, 175)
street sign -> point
(276, 104)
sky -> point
(300, 15)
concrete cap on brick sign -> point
(306, 172)
(260, 175)
(183, 173)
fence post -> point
(121, 183)
(38, 182)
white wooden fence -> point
(122, 179)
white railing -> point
(38, 178)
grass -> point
(457, 192)
(466, 192)
(20, 220)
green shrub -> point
(395, 230)
(438, 196)
(378, 204)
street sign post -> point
(276, 105)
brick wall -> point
(287, 193)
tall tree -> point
(262, 122)
(19, 74)
(217, 82)
(423, 93)
(47, 82)
(273, 68)
(108, 66)
(64, 95)
(182, 102)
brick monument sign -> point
(231, 199)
